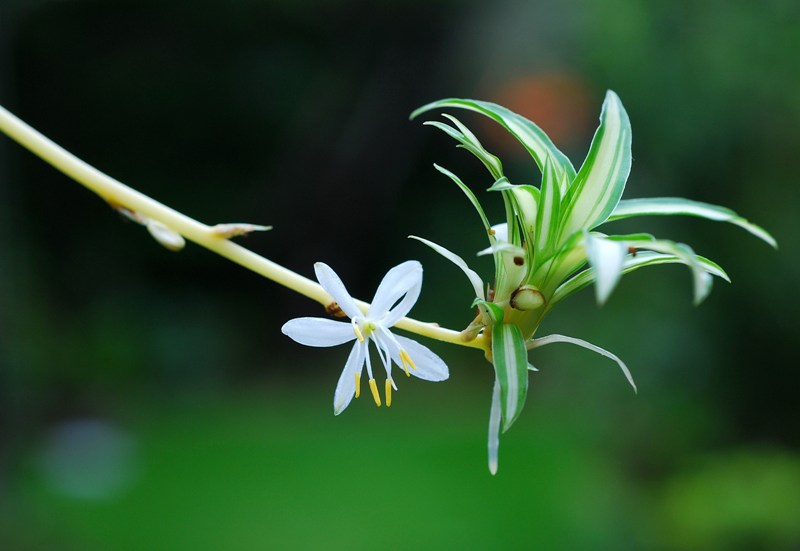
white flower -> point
(394, 298)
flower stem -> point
(119, 195)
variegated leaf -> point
(510, 359)
(600, 182)
(547, 217)
(472, 275)
(663, 206)
(550, 339)
(468, 192)
(632, 263)
(529, 135)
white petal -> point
(429, 366)
(494, 428)
(404, 306)
(383, 345)
(335, 288)
(501, 231)
(346, 387)
(606, 257)
(403, 279)
(318, 331)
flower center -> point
(364, 328)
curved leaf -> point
(632, 263)
(665, 206)
(529, 135)
(469, 142)
(472, 275)
(468, 192)
(550, 339)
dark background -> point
(148, 399)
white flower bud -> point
(170, 239)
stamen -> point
(407, 361)
(388, 393)
(358, 384)
(373, 386)
(357, 331)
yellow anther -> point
(388, 392)
(358, 332)
(373, 386)
(358, 384)
(407, 361)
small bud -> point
(234, 230)
(333, 309)
(472, 331)
(170, 239)
(128, 213)
(527, 297)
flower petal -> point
(318, 331)
(403, 279)
(404, 306)
(346, 387)
(334, 287)
(429, 366)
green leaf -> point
(501, 184)
(550, 339)
(570, 257)
(600, 182)
(472, 275)
(632, 263)
(510, 359)
(469, 142)
(529, 135)
(468, 192)
(545, 234)
(663, 206)
(495, 312)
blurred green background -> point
(148, 399)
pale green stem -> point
(119, 195)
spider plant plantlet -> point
(549, 246)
